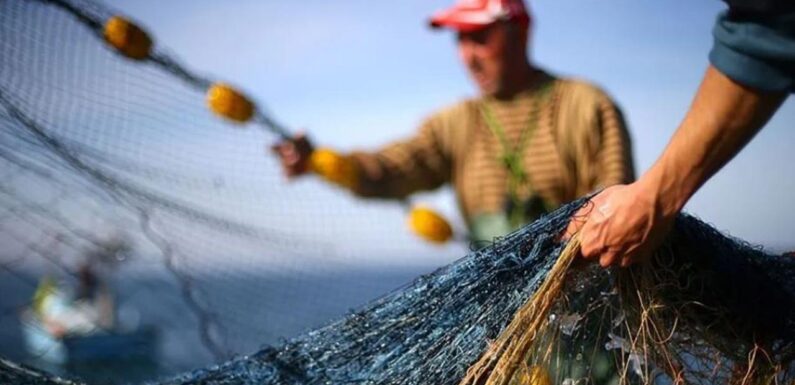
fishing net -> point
(98, 149)
(707, 309)
(92, 147)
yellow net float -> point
(129, 39)
(535, 375)
(429, 225)
(229, 103)
(333, 167)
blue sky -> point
(356, 74)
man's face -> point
(489, 54)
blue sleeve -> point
(756, 47)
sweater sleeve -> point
(754, 44)
(593, 140)
(421, 162)
(614, 154)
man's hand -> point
(621, 225)
(627, 222)
(294, 155)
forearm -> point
(722, 119)
(402, 167)
(388, 174)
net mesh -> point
(119, 161)
(98, 148)
(707, 309)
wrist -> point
(667, 191)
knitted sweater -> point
(579, 144)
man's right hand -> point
(622, 225)
(294, 155)
(626, 222)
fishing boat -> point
(75, 336)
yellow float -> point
(129, 39)
(333, 167)
(429, 225)
(229, 103)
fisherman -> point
(83, 311)
(529, 142)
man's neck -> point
(524, 78)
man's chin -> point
(487, 89)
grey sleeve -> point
(755, 46)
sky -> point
(356, 74)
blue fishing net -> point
(432, 330)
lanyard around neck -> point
(511, 156)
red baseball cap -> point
(472, 15)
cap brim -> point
(456, 26)
(460, 20)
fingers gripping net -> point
(706, 309)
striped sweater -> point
(579, 144)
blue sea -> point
(247, 312)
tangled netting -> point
(706, 309)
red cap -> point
(472, 15)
